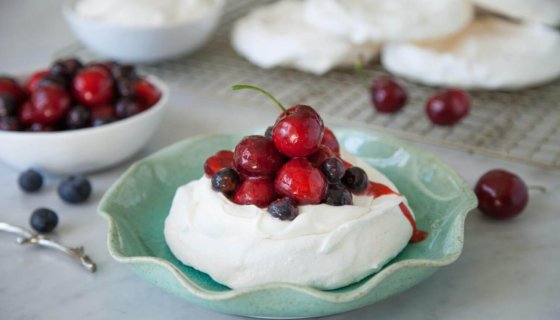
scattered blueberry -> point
(74, 189)
(355, 179)
(43, 220)
(338, 195)
(283, 209)
(333, 169)
(225, 180)
(30, 181)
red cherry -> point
(50, 103)
(301, 182)
(27, 114)
(387, 95)
(31, 83)
(298, 132)
(258, 191)
(329, 140)
(448, 107)
(257, 156)
(222, 159)
(501, 194)
(11, 87)
(147, 94)
(93, 86)
(321, 155)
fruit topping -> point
(43, 220)
(338, 195)
(387, 95)
(333, 169)
(258, 191)
(126, 107)
(298, 132)
(33, 81)
(501, 194)
(283, 209)
(257, 156)
(147, 94)
(222, 159)
(321, 155)
(448, 107)
(356, 180)
(30, 181)
(50, 104)
(329, 140)
(74, 189)
(93, 86)
(78, 117)
(302, 182)
(27, 114)
(226, 180)
(268, 133)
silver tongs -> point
(27, 237)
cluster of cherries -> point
(296, 162)
(445, 108)
(70, 95)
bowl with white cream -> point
(168, 186)
(143, 31)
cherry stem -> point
(359, 69)
(266, 93)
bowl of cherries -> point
(73, 117)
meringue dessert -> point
(289, 207)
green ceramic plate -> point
(137, 205)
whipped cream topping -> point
(278, 35)
(325, 247)
(395, 20)
(143, 12)
(491, 53)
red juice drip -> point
(377, 190)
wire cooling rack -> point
(522, 125)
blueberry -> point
(338, 195)
(30, 181)
(43, 220)
(126, 108)
(123, 71)
(333, 169)
(74, 189)
(65, 68)
(355, 179)
(268, 133)
(53, 80)
(39, 127)
(102, 120)
(8, 105)
(78, 117)
(9, 124)
(126, 87)
(225, 180)
(283, 209)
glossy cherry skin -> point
(27, 114)
(301, 182)
(11, 87)
(501, 194)
(257, 156)
(321, 155)
(298, 133)
(102, 114)
(329, 140)
(221, 159)
(33, 81)
(93, 86)
(50, 104)
(258, 191)
(146, 94)
(387, 95)
(448, 107)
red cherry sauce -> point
(377, 190)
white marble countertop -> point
(508, 270)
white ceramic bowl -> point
(135, 44)
(83, 150)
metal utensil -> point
(27, 237)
